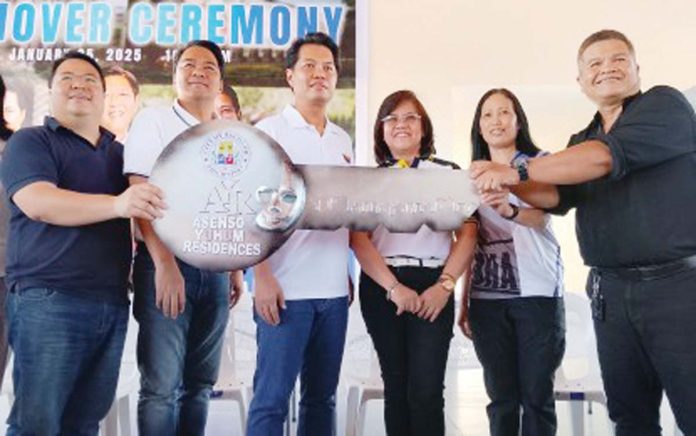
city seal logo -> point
(225, 154)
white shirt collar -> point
(296, 120)
(185, 115)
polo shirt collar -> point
(597, 120)
(184, 114)
(51, 123)
(54, 125)
(296, 120)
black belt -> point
(651, 272)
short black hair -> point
(232, 94)
(23, 89)
(604, 35)
(318, 38)
(130, 77)
(208, 45)
(5, 132)
(74, 54)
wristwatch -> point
(447, 282)
(522, 171)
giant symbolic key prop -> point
(234, 196)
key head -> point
(233, 194)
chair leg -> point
(362, 411)
(109, 426)
(124, 415)
(352, 410)
(242, 414)
(577, 417)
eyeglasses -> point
(393, 119)
(69, 79)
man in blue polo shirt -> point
(68, 257)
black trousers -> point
(520, 343)
(646, 344)
(412, 355)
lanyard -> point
(181, 117)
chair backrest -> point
(227, 362)
(581, 344)
(131, 341)
(239, 345)
(360, 362)
(461, 353)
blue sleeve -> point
(659, 128)
(28, 158)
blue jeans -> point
(178, 358)
(520, 343)
(308, 341)
(67, 359)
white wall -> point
(450, 51)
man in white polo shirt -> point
(301, 297)
(182, 310)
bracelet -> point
(449, 276)
(390, 290)
(515, 212)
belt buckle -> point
(399, 261)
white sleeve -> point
(266, 126)
(348, 148)
(143, 144)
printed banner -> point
(142, 38)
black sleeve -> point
(659, 128)
(27, 159)
(568, 195)
(568, 198)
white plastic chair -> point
(231, 385)
(578, 379)
(361, 369)
(462, 355)
(581, 350)
(7, 389)
(119, 417)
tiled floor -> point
(465, 395)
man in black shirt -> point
(631, 175)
